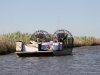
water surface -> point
(83, 61)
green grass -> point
(8, 41)
(86, 41)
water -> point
(84, 61)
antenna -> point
(58, 19)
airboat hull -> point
(35, 50)
(62, 52)
(44, 53)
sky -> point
(80, 17)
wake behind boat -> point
(42, 43)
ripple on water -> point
(83, 61)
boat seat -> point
(40, 36)
(61, 35)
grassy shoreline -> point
(7, 41)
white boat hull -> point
(34, 50)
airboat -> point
(43, 43)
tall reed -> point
(86, 41)
(8, 41)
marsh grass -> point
(86, 41)
(8, 41)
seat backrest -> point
(61, 35)
(40, 35)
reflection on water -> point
(83, 61)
